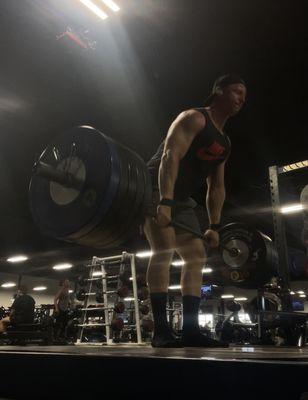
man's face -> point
(234, 97)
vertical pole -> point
(280, 239)
(135, 292)
(106, 311)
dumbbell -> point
(119, 308)
(121, 292)
(144, 309)
(124, 277)
(147, 325)
(111, 278)
(117, 324)
(143, 293)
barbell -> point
(90, 190)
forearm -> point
(168, 172)
(215, 198)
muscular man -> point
(194, 152)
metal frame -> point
(279, 227)
(96, 261)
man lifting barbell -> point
(196, 148)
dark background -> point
(151, 60)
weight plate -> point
(95, 198)
(247, 256)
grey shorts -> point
(183, 213)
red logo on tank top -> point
(212, 153)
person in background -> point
(62, 304)
(22, 310)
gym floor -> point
(240, 353)
(131, 371)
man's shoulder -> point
(193, 116)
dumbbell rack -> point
(108, 310)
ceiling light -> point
(178, 263)
(174, 287)
(240, 298)
(16, 259)
(60, 267)
(100, 13)
(207, 270)
(302, 295)
(227, 296)
(112, 5)
(292, 208)
(71, 291)
(8, 285)
(300, 292)
(39, 288)
(144, 254)
(292, 292)
(129, 298)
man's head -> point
(228, 93)
(23, 289)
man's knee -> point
(194, 259)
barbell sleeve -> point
(53, 174)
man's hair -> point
(222, 82)
(23, 289)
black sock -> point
(159, 309)
(191, 315)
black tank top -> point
(208, 149)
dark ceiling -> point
(145, 64)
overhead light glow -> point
(39, 288)
(302, 295)
(300, 292)
(240, 298)
(292, 208)
(16, 259)
(97, 273)
(8, 285)
(144, 254)
(60, 267)
(71, 291)
(178, 263)
(227, 296)
(100, 13)
(174, 287)
(292, 292)
(207, 270)
(112, 5)
(129, 298)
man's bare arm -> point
(216, 193)
(181, 134)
